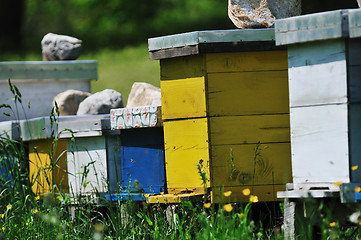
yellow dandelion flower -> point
(3, 228)
(27, 224)
(359, 223)
(146, 195)
(228, 207)
(207, 205)
(37, 198)
(9, 207)
(253, 199)
(227, 194)
(2, 215)
(35, 210)
(241, 215)
(354, 168)
(332, 224)
(246, 192)
(338, 183)
(357, 190)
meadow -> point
(56, 215)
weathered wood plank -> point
(254, 93)
(186, 143)
(317, 73)
(246, 61)
(87, 165)
(184, 98)
(182, 67)
(319, 143)
(174, 52)
(113, 144)
(253, 164)
(249, 129)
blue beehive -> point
(142, 152)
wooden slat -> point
(249, 129)
(253, 164)
(41, 171)
(317, 74)
(246, 61)
(319, 143)
(113, 144)
(182, 67)
(174, 52)
(88, 153)
(183, 98)
(248, 93)
(186, 143)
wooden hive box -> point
(222, 92)
(78, 164)
(142, 152)
(39, 82)
(324, 64)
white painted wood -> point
(80, 155)
(324, 83)
(319, 144)
(40, 94)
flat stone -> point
(101, 103)
(143, 94)
(68, 101)
(60, 47)
(261, 13)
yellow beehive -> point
(47, 169)
(226, 104)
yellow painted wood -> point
(265, 193)
(42, 169)
(184, 98)
(186, 143)
(249, 129)
(182, 67)
(253, 164)
(174, 198)
(246, 61)
(246, 93)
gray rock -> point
(143, 94)
(68, 101)
(261, 13)
(60, 47)
(359, 3)
(101, 103)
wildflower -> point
(27, 224)
(354, 168)
(207, 205)
(37, 198)
(355, 217)
(246, 192)
(228, 207)
(359, 223)
(2, 215)
(9, 207)
(241, 215)
(3, 228)
(35, 210)
(227, 194)
(338, 183)
(357, 190)
(146, 195)
(332, 224)
(253, 199)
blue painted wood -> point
(142, 154)
(125, 197)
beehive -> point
(225, 92)
(324, 66)
(76, 162)
(142, 152)
(39, 81)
